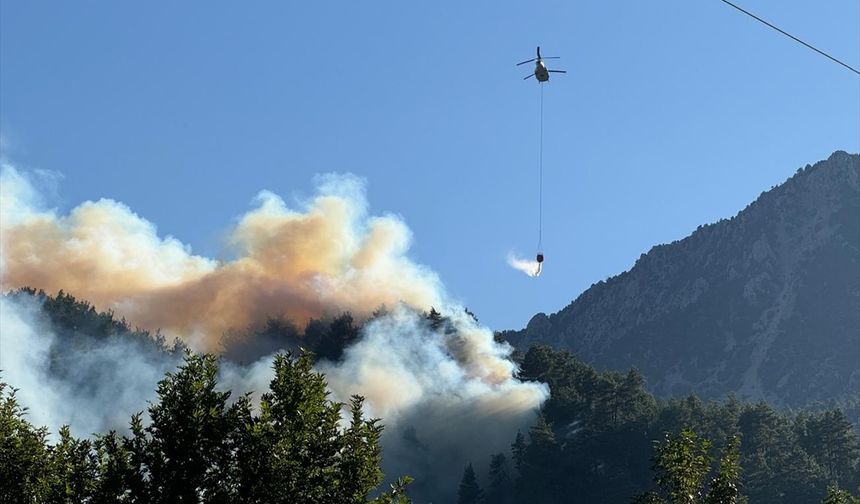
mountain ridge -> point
(738, 305)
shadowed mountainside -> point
(765, 304)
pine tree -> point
(470, 492)
(540, 480)
(537, 363)
(500, 488)
(638, 405)
(778, 467)
(518, 449)
(831, 440)
(341, 333)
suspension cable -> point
(540, 177)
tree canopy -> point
(594, 441)
(199, 447)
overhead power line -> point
(819, 51)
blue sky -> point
(672, 114)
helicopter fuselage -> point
(541, 72)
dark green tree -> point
(518, 450)
(360, 456)
(295, 450)
(301, 425)
(435, 319)
(23, 454)
(470, 492)
(113, 466)
(639, 406)
(837, 496)
(342, 332)
(316, 331)
(681, 464)
(647, 498)
(724, 487)
(396, 493)
(184, 454)
(831, 441)
(538, 364)
(778, 468)
(195, 447)
(72, 470)
(540, 480)
(500, 487)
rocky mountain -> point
(765, 304)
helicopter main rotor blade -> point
(529, 75)
(551, 57)
(557, 71)
(526, 61)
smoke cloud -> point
(329, 256)
(443, 395)
(530, 267)
(91, 388)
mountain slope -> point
(765, 304)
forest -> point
(600, 437)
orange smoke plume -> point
(325, 257)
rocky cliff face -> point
(765, 304)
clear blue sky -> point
(673, 113)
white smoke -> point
(24, 351)
(530, 267)
(442, 394)
(90, 388)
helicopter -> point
(541, 71)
